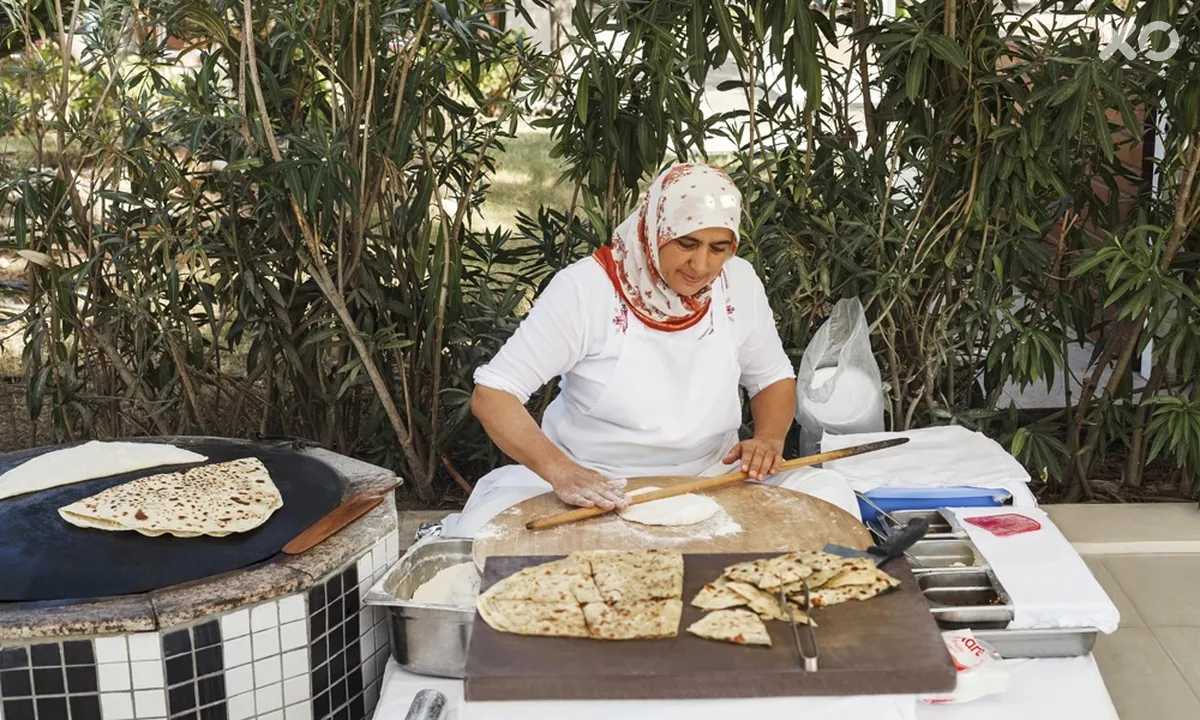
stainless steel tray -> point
(966, 598)
(941, 527)
(1066, 642)
(425, 639)
(932, 555)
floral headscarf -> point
(683, 199)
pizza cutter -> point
(893, 547)
(806, 651)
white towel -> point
(945, 456)
(1048, 582)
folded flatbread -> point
(717, 596)
(733, 626)
(637, 620)
(521, 617)
(216, 500)
(627, 576)
(90, 461)
(606, 595)
(560, 581)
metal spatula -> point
(893, 547)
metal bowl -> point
(425, 639)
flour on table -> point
(686, 509)
(456, 585)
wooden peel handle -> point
(710, 483)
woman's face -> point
(690, 263)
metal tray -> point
(941, 527)
(930, 555)
(1067, 642)
(425, 639)
(966, 598)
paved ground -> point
(1152, 663)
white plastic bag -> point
(980, 671)
(838, 386)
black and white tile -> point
(317, 655)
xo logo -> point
(1121, 37)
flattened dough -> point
(686, 509)
(89, 461)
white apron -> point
(671, 408)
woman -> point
(652, 337)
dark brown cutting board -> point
(887, 645)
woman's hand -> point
(577, 485)
(760, 456)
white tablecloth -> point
(1049, 689)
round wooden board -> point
(754, 518)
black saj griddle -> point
(43, 557)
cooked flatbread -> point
(766, 604)
(741, 627)
(560, 581)
(89, 461)
(637, 620)
(717, 596)
(783, 570)
(752, 572)
(522, 617)
(627, 576)
(854, 572)
(217, 500)
(824, 597)
(825, 567)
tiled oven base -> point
(316, 655)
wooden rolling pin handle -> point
(711, 483)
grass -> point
(526, 178)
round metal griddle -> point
(42, 557)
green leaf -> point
(946, 49)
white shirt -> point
(576, 330)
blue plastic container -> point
(906, 498)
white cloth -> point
(1050, 585)
(577, 329)
(1045, 689)
(1041, 689)
(934, 457)
(671, 405)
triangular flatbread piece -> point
(717, 596)
(824, 597)
(521, 617)
(854, 572)
(741, 627)
(766, 604)
(216, 500)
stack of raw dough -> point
(756, 585)
(601, 594)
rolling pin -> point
(710, 483)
